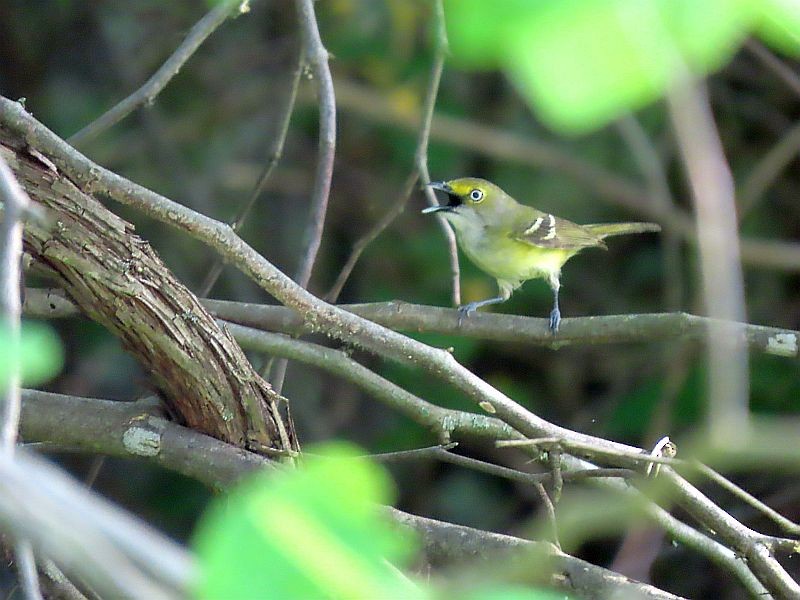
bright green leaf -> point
(477, 29)
(780, 25)
(40, 354)
(307, 533)
(582, 63)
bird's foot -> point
(555, 320)
(466, 310)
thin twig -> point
(787, 525)
(550, 511)
(775, 64)
(28, 574)
(153, 86)
(419, 171)
(767, 170)
(273, 158)
(421, 156)
(317, 57)
(644, 154)
(554, 460)
(361, 244)
(676, 355)
(154, 125)
(415, 454)
(94, 471)
(446, 542)
(442, 421)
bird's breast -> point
(509, 260)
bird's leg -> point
(466, 310)
(555, 314)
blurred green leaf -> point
(780, 25)
(581, 63)
(307, 533)
(40, 354)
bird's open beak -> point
(442, 186)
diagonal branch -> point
(446, 542)
(784, 72)
(153, 86)
(275, 155)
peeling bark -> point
(117, 279)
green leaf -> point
(477, 30)
(582, 63)
(780, 25)
(307, 533)
(40, 354)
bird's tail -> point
(603, 230)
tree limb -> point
(117, 280)
(403, 316)
(446, 543)
(132, 430)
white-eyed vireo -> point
(513, 242)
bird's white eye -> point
(476, 195)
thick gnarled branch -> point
(118, 280)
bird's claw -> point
(555, 320)
(465, 311)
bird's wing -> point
(548, 231)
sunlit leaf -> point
(780, 25)
(306, 533)
(581, 63)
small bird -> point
(513, 242)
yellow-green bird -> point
(513, 242)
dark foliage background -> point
(206, 138)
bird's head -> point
(472, 200)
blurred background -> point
(208, 135)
